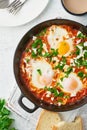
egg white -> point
(56, 35)
(67, 82)
(45, 79)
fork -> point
(15, 6)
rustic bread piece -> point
(47, 120)
(75, 125)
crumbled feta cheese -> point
(78, 41)
(45, 47)
(35, 50)
(59, 103)
(52, 98)
(81, 52)
(48, 93)
(78, 33)
(34, 38)
(85, 43)
(65, 67)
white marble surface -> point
(10, 37)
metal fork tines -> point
(15, 6)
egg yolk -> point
(45, 80)
(63, 48)
(72, 84)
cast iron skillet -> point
(25, 92)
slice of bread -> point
(47, 120)
(75, 125)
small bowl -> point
(75, 7)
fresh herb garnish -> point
(52, 53)
(61, 94)
(5, 120)
(38, 45)
(42, 33)
(39, 71)
(27, 60)
(61, 64)
(67, 96)
(81, 74)
(84, 63)
(27, 50)
(33, 54)
(81, 35)
(54, 91)
(85, 54)
(77, 50)
(68, 71)
(59, 84)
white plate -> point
(30, 10)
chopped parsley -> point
(27, 60)
(81, 74)
(39, 71)
(5, 119)
(51, 54)
(61, 64)
(33, 54)
(58, 84)
(67, 96)
(42, 33)
(38, 45)
(85, 54)
(54, 91)
(68, 71)
(84, 63)
(77, 50)
(81, 35)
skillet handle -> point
(30, 110)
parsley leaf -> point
(61, 64)
(68, 71)
(5, 120)
(39, 71)
(36, 43)
(81, 74)
(85, 54)
(54, 91)
(42, 33)
(81, 35)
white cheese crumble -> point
(48, 93)
(52, 98)
(34, 38)
(85, 43)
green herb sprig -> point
(5, 120)
(81, 35)
(61, 64)
(54, 91)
